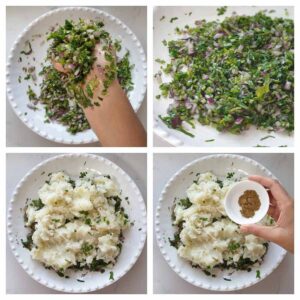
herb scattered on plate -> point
(231, 75)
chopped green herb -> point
(72, 182)
(82, 174)
(176, 241)
(267, 137)
(233, 246)
(97, 265)
(31, 94)
(160, 61)
(28, 243)
(88, 221)
(173, 19)
(111, 276)
(257, 274)
(186, 203)
(260, 146)
(220, 183)
(86, 248)
(226, 279)
(221, 10)
(124, 72)
(230, 175)
(28, 49)
(37, 204)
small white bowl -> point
(233, 208)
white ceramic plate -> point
(164, 30)
(73, 164)
(17, 91)
(220, 165)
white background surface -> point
(17, 18)
(17, 281)
(166, 280)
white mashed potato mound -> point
(78, 221)
(208, 237)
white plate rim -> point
(159, 237)
(14, 247)
(14, 104)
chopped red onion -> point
(71, 66)
(238, 120)
(176, 122)
(210, 100)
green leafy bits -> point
(231, 75)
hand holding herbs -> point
(70, 80)
(281, 210)
(231, 75)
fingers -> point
(265, 181)
(278, 192)
(266, 232)
(59, 67)
(273, 212)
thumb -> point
(266, 232)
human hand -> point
(101, 75)
(281, 210)
(111, 115)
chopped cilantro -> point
(111, 276)
(230, 175)
(267, 137)
(220, 183)
(221, 10)
(176, 241)
(82, 174)
(28, 243)
(37, 204)
(86, 248)
(186, 203)
(233, 246)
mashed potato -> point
(206, 236)
(77, 222)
